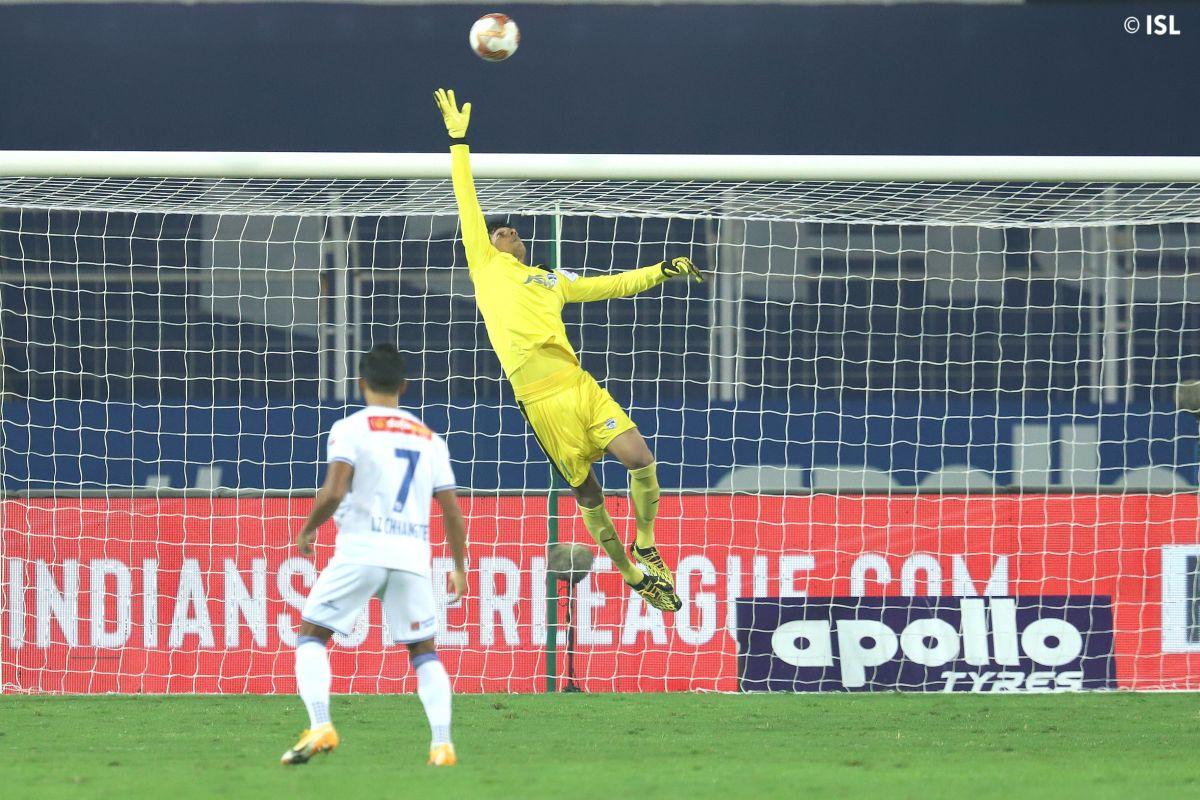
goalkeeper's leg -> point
(653, 589)
(630, 449)
(596, 519)
(571, 448)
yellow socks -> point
(600, 526)
(643, 490)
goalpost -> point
(918, 431)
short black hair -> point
(382, 367)
(497, 223)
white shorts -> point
(343, 589)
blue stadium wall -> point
(711, 79)
(93, 445)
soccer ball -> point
(569, 562)
(494, 37)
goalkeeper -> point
(574, 419)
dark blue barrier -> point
(71, 445)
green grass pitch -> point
(611, 746)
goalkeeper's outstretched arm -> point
(623, 284)
(474, 230)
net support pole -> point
(1094, 277)
(551, 586)
(552, 517)
(334, 332)
(1110, 375)
(1114, 346)
(725, 383)
(341, 315)
(1107, 305)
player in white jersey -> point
(385, 467)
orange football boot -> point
(442, 755)
(321, 739)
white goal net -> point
(911, 435)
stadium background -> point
(950, 78)
(122, 370)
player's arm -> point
(578, 289)
(329, 497)
(456, 538)
(474, 230)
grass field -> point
(603, 746)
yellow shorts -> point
(575, 425)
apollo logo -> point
(926, 643)
(930, 642)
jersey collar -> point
(516, 261)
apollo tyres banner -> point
(970, 644)
(923, 592)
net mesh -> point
(943, 411)
(984, 204)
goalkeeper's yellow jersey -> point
(522, 305)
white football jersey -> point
(398, 466)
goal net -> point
(921, 435)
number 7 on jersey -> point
(410, 458)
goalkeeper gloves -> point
(682, 265)
(456, 118)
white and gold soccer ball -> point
(494, 37)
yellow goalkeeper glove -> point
(682, 265)
(456, 119)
